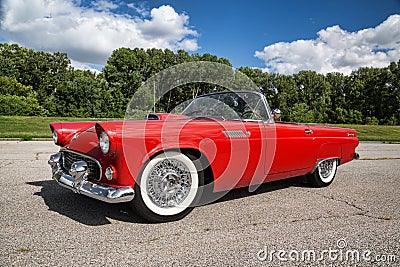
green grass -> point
(375, 132)
(27, 128)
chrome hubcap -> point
(169, 183)
(325, 168)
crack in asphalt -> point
(7, 164)
(37, 154)
(361, 211)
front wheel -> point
(168, 188)
(324, 173)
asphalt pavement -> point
(354, 221)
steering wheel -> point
(252, 115)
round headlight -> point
(104, 142)
(55, 137)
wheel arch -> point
(329, 151)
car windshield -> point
(229, 105)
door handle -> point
(307, 131)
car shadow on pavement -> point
(244, 192)
(83, 209)
(93, 212)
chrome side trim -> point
(104, 193)
(86, 156)
(236, 134)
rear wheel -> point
(168, 188)
(324, 173)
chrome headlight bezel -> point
(55, 137)
(104, 142)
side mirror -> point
(276, 113)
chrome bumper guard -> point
(78, 183)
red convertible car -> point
(221, 141)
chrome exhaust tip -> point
(356, 156)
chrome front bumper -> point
(78, 182)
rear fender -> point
(329, 150)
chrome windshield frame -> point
(267, 119)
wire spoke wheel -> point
(169, 183)
(168, 187)
(327, 169)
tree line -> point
(36, 83)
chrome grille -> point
(69, 157)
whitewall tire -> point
(168, 188)
(324, 173)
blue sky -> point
(235, 29)
(277, 36)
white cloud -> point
(336, 50)
(189, 44)
(139, 8)
(89, 35)
(104, 5)
(165, 25)
(84, 66)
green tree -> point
(314, 91)
(14, 105)
(10, 86)
(301, 112)
(80, 97)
